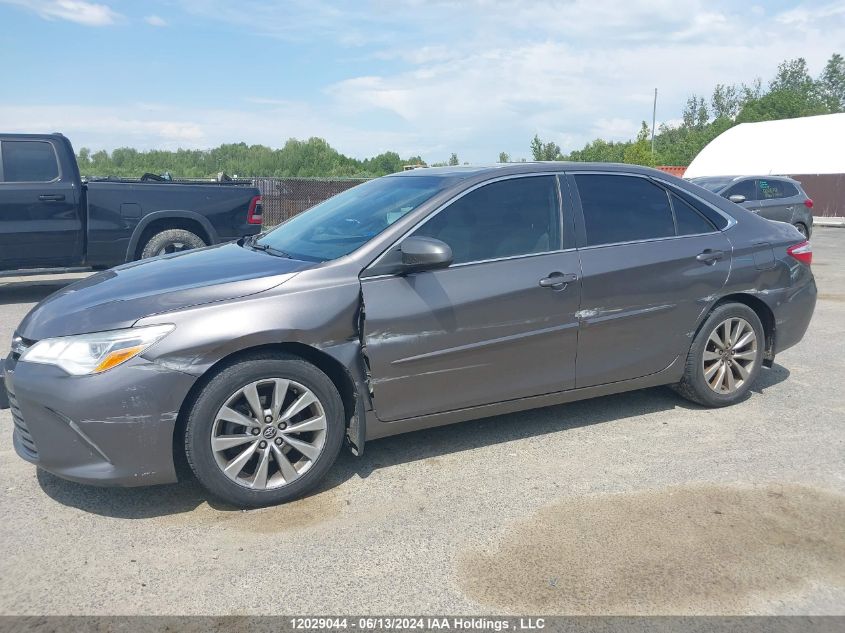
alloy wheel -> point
(729, 355)
(268, 433)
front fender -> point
(311, 321)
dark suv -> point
(415, 300)
(773, 197)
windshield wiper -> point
(266, 248)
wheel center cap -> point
(269, 432)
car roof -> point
(461, 172)
(738, 178)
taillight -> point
(808, 203)
(254, 215)
(802, 251)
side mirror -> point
(425, 253)
(737, 198)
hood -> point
(118, 297)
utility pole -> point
(653, 121)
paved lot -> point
(636, 503)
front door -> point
(748, 189)
(483, 330)
(40, 224)
(651, 264)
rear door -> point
(482, 330)
(777, 199)
(40, 224)
(650, 263)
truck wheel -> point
(264, 430)
(171, 241)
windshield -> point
(712, 184)
(341, 224)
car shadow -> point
(187, 495)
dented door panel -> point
(641, 301)
(470, 335)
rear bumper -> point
(113, 429)
(793, 315)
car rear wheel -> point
(264, 431)
(171, 241)
(725, 357)
(802, 229)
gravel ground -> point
(635, 503)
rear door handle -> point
(51, 197)
(709, 256)
(557, 280)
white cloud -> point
(474, 77)
(587, 69)
(807, 13)
(86, 13)
(154, 20)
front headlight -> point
(94, 353)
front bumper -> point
(113, 429)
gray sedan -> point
(415, 300)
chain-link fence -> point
(283, 198)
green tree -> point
(600, 151)
(545, 151)
(453, 159)
(831, 84)
(794, 75)
(309, 158)
(504, 158)
(792, 93)
(639, 153)
(725, 102)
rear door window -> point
(714, 218)
(621, 208)
(688, 219)
(29, 161)
(774, 189)
(745, 188)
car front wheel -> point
(725, 357)
(264, 431)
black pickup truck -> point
(52, 220)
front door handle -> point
(709, 256)
(51, 197)
(557, 280)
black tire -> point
(802, 229)
(693, 385)
(213, 396)
(171, 241)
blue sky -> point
(474, 77)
